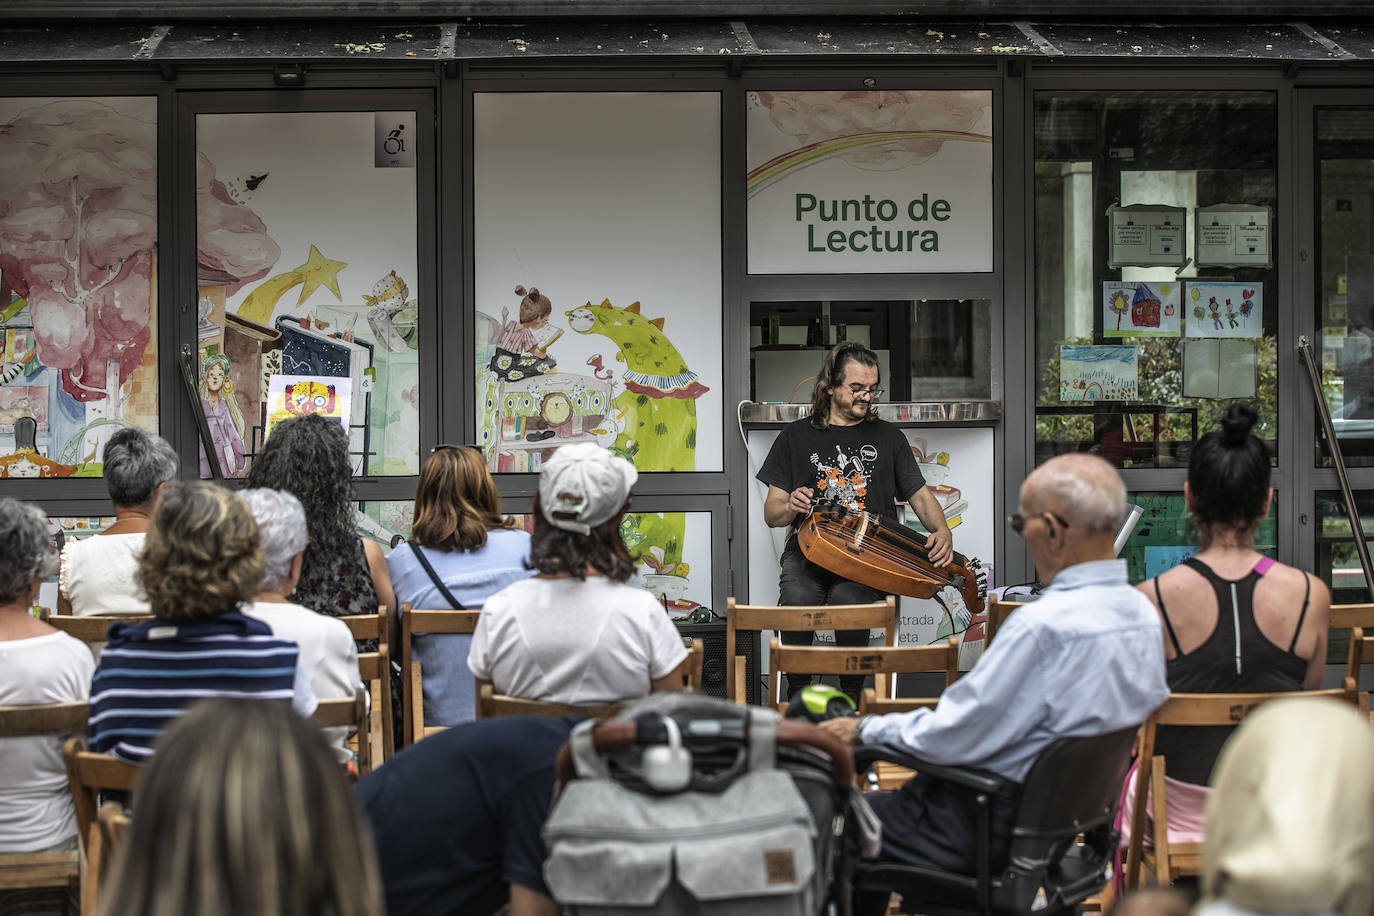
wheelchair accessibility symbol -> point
(395, 142)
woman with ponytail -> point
(1234, 621)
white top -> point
(566, 641)
(97, 575)
(327, 655)
(35, 804)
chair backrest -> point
(88, 775)
(998, 612)
(415, 622)
(48, 719)
(870, 704)
(493, 705)
(876, 660)
(1349, 616)
(350, 713)
(804, 617)
(368, 626)
(111, 828)
(1361, 654)
(92, 629)
(1074, 785)
(693, 664)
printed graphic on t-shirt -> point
(844, 484)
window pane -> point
(1338, 559)
(78, 279)
(1129, 394)
(1165, 537)
(1345, 278)
(306, 273)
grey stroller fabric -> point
(764, 845)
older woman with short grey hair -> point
(328, 654)
(98, 573)
(38, 665)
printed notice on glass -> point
(1233, 235)
(1147, 235)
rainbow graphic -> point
(777, 168)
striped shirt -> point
(153, 671)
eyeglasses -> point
(1018, 521)
(860, 391)
(444, 445)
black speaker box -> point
(713, 666)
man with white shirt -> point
(1086, 659)
(328, 656)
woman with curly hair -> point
(243, 810)
(201, 560)
(462, 550)
(342, 574)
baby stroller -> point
(686, 804)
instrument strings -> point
(881, 539)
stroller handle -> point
(614, 736)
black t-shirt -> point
(868, 466)
(457, 817)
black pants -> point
(803, 582)
(933, 823)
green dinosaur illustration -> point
(658, 406)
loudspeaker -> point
(713, 666)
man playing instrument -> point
(845, 458)
(1086, 659)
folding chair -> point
(493, 705)
(22, 870)
(998, 612)
(374, 668)
(1350, 616)
(352, 714)
(88, 775)
(804, 617)
(1361, 654)
(875, 660)
(1169, 860)
(422, 622)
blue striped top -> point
(151, 672)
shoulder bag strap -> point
(434, 577)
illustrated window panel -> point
(881, 181)
(590, 326)
(1338, 559)
(306, 271)
(78, 279)
(1164, 536)
(1147, 327)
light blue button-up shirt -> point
(1086, 659)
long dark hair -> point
(554, 551)
(308, 458)
(456, 501)
(1228, 475)
(832, 376)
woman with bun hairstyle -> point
(1234, 621)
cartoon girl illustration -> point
(1215, 310)
(522, 347)
(222, 413)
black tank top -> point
(1235, 658)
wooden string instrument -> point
(886, 555)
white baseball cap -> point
(583, 485)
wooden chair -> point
(374, 668)
(40, 869)
(493, 705)
(92, 629)
(88, 775)
(111, 827)
(1350, 616)
(875, 660)
(890, 775)
(692, 665)
(998, 612)
(351, 714)
(804, 617)
(1171, 860)
(414, 623)
(1361, 654)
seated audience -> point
(342, 574)
(243, 810)
(576, 632)
(457, 819)
(1085, 659)
(328, 654)
(1288, 822)
(200, 562)
(38, 665)
(461, 552)
(1235, 621)
(97, 574)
